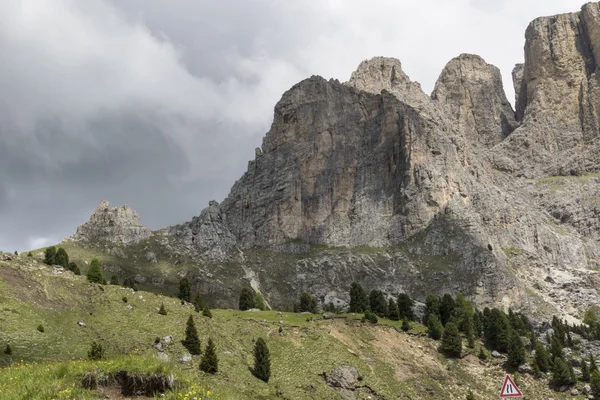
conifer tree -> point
(94, 273)
(447, 308)
(75, 268)
(246, 299)
(595, 384)
(209, 362)
(393, 312)
(262, 360)
(470, 395)
(497, 330)
(29, 254)
(477, 325)
(191, 341)
(370, 316)
(435, 327)
(8, 350)
(469, 332)
(206, 312)
(556, 349)
(377, 303)
(114, 280)
(259, 301)
(405, 306)
(198, 303)
(585, 372)
(61, 258)
(185, 289)
(405, 325)
(542, 358)
(451, 340)
(162, 310)
(516, 350)
(49, 255)
(562, 373)
(307, 303)
(593, 366)
(432, 306)
(358, 299)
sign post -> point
(509, 389)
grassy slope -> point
(392, 363)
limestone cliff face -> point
(343, 167)
(559, 95)
(119, 225)
(472, 92)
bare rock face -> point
(207, 234)
(559, 95)
(472, 92)
(119, 225)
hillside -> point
(51, 364)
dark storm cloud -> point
(159, 105)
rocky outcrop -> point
(472, 92)
(559, 95)
(119, 225)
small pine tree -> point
(49, 255)
(370, 316)
(209, 362)
(8, 350)
(393, 311)
(206, 312)
(29, 254)
(114, 280)
(562, 373)
(191, 341)
(516, 350)
(280, 329)
(451, 340)
(556, 348)
(482, 356)
(435, 327)
(41, 328)
(96, 352)
(16, 253)
(585, 372)
(377, 303)
(262, 361)
(470, 395)
(61, 258)
(405, 307)
(162, 310)
(94, 273)
(595, 384)
(447, 307)
(185, 289)
(124, 299)
(259, 301)
(542, 358)
(358, 299)
(246, 299)
(307, 303)
(593, 366)
(405, 325)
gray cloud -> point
(160, 106)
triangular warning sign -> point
(509, 389)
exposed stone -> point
(342, 377)
(185, 358)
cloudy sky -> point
(159, 104)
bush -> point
(114, 280)
(209, 362)
(405, 325)
(157, 340)
(198, 303)
(8, 350)
(206, 312)
(29, 254)
(94, 273)
(542, 358)
(262, 361)
(185, 289)
(370, 316)
(585, 372)
(124, 299)
(61, 258)
(40, 328)
(280, 329)
(393, 311)
(482, 356)
(562, 373)
(435, 327)
(516, 350)
(247, 299)
(451, 340)
(191, 341)
(162, 310)
(259, 301)
(377, 303)
(96, 352)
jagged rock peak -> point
(120, 225)
(385, 73)
(473, 94)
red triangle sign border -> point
(508, 380)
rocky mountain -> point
(375, 181)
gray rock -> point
(185, 358)
(150, 256)
(167, 339)
(129, 307)
(163, 357)
(525, 368)
(342, 377)
(81, 324)
(587, 389)
(496, 354)
(327, 316)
